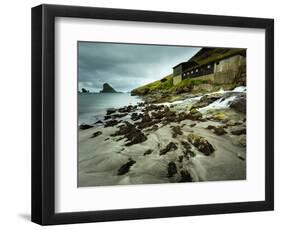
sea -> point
(93, 106)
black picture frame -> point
(43, 114)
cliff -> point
(107, 89)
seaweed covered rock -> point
(126, 167)
(185, 176)
(170, 147)
(96, 134)
(201, 144)
(176, 131)
(172, 169)
(133, 135)
(85, 126)
(219, 131)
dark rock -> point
(119, 115)
(176, 131)
(219, 131)
(239, 104)
(171, 146)
(136, 116)
(238, 130)
(107, 89)
(84, 90)
(85, 126)
(147, 152)
(133, 135)
(99, 122)
(96, 134)
(126, 167)
(187, 152)
(180, 158)
(107, 117)
(110, 111)
(127, 109)
(206, 100)
(210, 127)
(194, 115)
(185, 176)
(172, 169)
(192, 125)
(111, 123)
(201, 144)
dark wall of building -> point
(196, 72)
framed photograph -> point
(142, 114)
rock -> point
(239, 104)
(133, 135)
(96, 134)
(219, 117)
(192, 125)
(180, 158)
(242, 140)
(187, 152)
(219, 131)
(170, 147)
(231, 123)
(176, 131)
(107, 89)
(172, 169)
(136, 116)
(185, 176)
(111, 123)
(206, 100)
(110, 111)
(107, 117)
(99, 122)
(238, 130)
(147, 152)
(210, 127)
(84, 90)
(201, 144)
(194, 114)
(119, 115)
(85, 126)
(126, 167)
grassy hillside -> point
(166, 85)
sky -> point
(126, 66)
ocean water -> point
(92, 106)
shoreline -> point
(166, 143)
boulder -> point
(172, 169)
(96, 134)
(239, 104)
(238, 130)
(219, 131)
(111, 123)
(176, 131)
(126, 167)
(201, 144)
(170, 147)
(185, 176)
(85, 126)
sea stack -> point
(107, 89)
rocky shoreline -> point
(200, 138)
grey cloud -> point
(126, 66)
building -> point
(218, 65)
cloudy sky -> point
(126, 66)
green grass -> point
(168, 85)
(157, 85)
